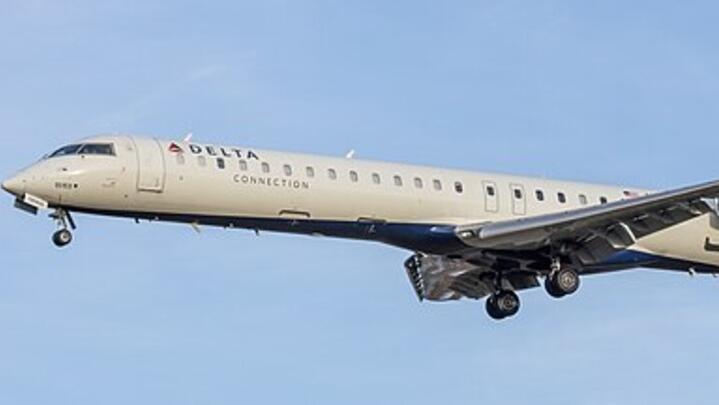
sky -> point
(610, 92)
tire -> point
(492, 309)
(62, 238)
(508, 303)
(549, 286)
(566, 281)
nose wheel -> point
(63, 236)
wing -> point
(591, 234)
(522, 249)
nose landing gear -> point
(63, 236)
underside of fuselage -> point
(430, 239)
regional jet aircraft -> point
(472, 235)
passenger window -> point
(202, 161)
(418, 182)
(583, 199)
(354, 176)
(221, 163)
(310, 171)
(243, 165)
(332, 174)
(398, 181)
(490, 191)
(458, 187)
(539, 194)
(561, 197)
(288, 170)
(437, 185)
(265, 167)
(180, 159)
(603, 200)
(376, 179)
(518, 194)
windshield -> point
(66, 150)
(106, 149)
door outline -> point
(151, 165)
(519, 205)
(491, 203)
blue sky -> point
(611, 92)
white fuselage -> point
(251, 188)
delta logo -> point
(220, 151)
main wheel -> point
(503, 304)
(492, 309)
(563, 282)
(62, 238)
(551, 289)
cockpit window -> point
(97, 149)
(66, 150)
(85, 149)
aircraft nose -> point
(13, 185)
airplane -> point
(471, 235)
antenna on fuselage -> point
(188, 137)
(350, 154)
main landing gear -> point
(63, 236)
(503, 304)
(562, 281)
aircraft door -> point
(150, 165)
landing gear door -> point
(150, 165)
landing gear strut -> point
(562, 281)
(63, 236)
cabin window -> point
(398, 181)
(243, 165)
(518, 194)
(539, 194)
(458, 187)
(376, 179)
(310, 171)
(332, 174)
(437, 185)
(603, 200)
(562, 198)
(354, 176)
(418, 182)
(180, 159)
(221, 163)
(583, 199)
(491, 191)
(265, 167)
(287, 169)
(202, 161)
